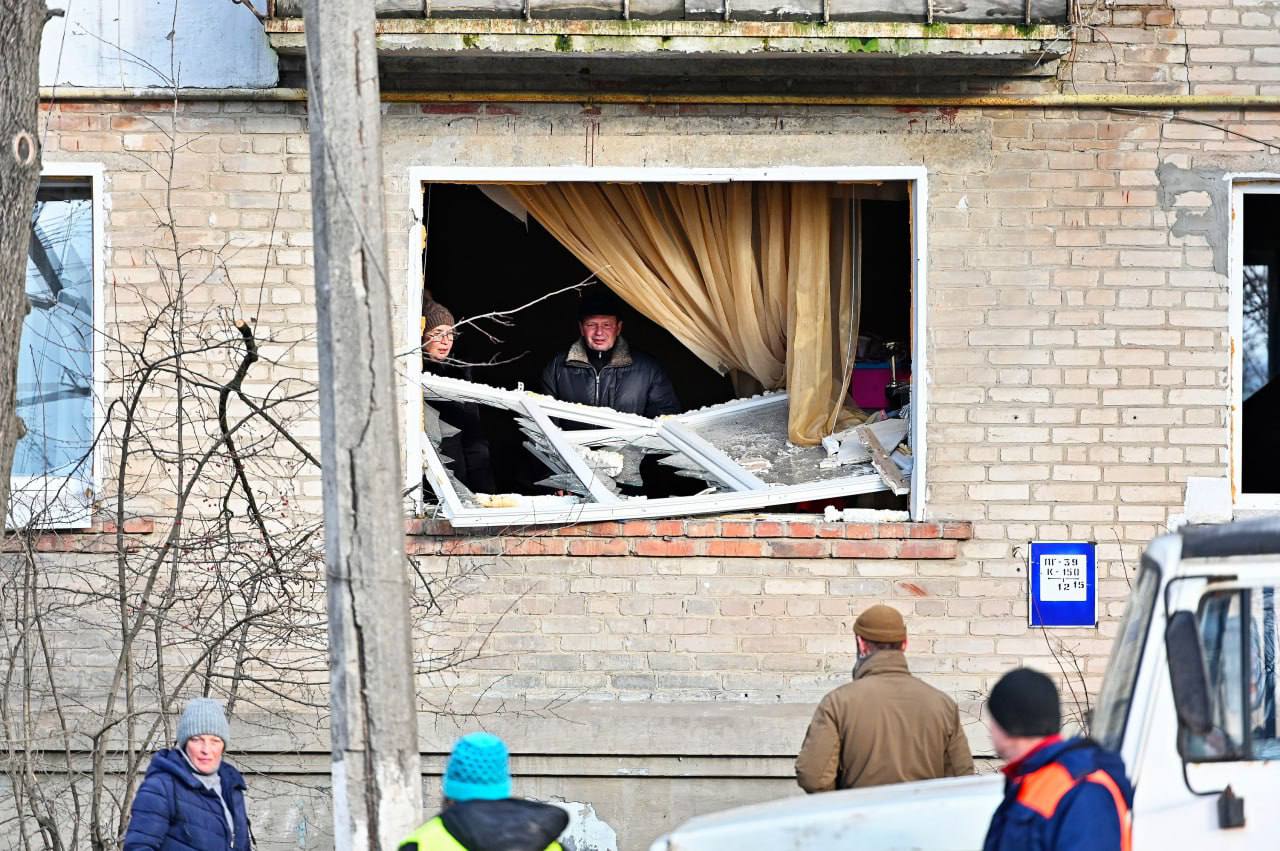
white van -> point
(1189, 701)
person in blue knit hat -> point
(479, 813)
(191, 799)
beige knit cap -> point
(436, 314)
(882, 624)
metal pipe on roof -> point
(1090, 100)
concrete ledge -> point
(98, 538)
(410, 37)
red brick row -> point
(667, 547)
(99, 538)
(725, 529)
(671, 538)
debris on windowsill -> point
(755, 438)
(738, 450)
(844, 449)
(903, 458)
(864, 515)
(881, 438)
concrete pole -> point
(377, 784)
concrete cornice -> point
(1084, 100)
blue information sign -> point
(1063, 584)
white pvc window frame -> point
(1242, 185)
(916, 177)
(67, 507)
(739, 489)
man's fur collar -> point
(621, 354)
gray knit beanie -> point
(436, 314)
(203, 717)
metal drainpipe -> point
(1053, 101)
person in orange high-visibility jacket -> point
(1059, 794)
(479, 813)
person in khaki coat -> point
(886, 726)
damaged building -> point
(931, 281)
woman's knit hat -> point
(436, 314)
(203, 717)
(479, 769)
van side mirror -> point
(1187, 673)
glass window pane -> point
(1257, 329)
(55, 360)
(1220, 616)
(1122, 671)
(1262, 685)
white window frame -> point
(1242, 185)
(68, 513)
(915, 176)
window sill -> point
(683, 538)
(98, 538)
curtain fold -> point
(756, 279)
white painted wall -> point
(125, 43)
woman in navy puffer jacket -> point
(191, 800)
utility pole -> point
(377, 783)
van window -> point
(1262, 681)
(1238, 629)
(1122, 670)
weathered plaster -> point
(586, 831)
(1183, 192)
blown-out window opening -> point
(782, 312)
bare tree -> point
(206, 575)
(222, 598)
(21, 22)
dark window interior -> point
(886, 270)
(1260, 346)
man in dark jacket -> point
(479, 813)
(1059, 795)
(886, 726)
(191, 799)
(601, 369)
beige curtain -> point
(754, 278)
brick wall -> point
(1078, 373)
(697, 610)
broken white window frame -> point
(1267, 183)
(66, 502)
(737, 487)
(417, 450)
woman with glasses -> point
(467, 450)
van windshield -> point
(1122, 669)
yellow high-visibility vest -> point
(433, 836)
